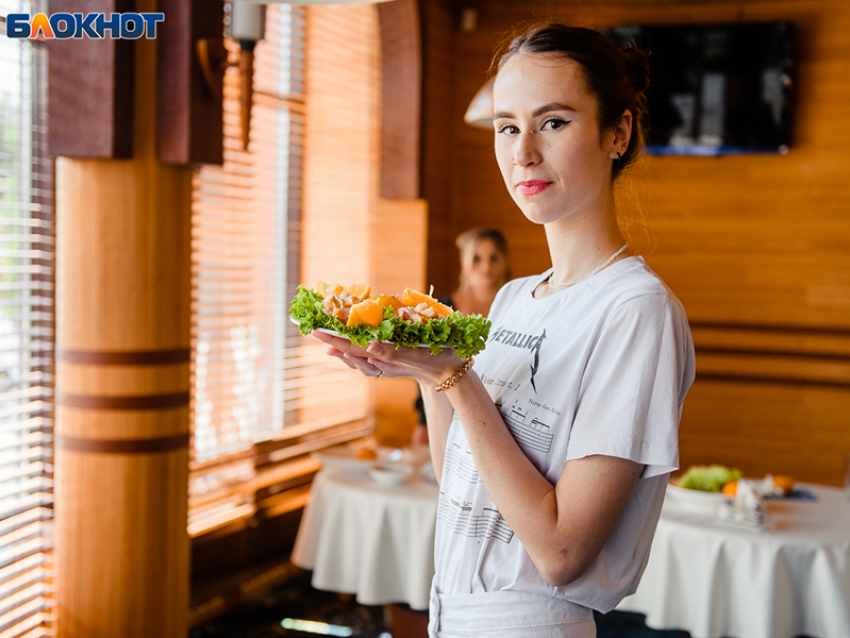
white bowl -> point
(390, 474)
(344, 458)
(695, 501)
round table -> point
(713, 580)
(372, 541)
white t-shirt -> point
(601, 367)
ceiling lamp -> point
(480, 111)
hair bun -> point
(637, 66)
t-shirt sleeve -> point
(632, 390)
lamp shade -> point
(480, 111)
(247, 21)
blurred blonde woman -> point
(484, 269)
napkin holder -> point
(746, 511)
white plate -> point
(344, 457)
(334, 333)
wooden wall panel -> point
(789, 429)
(757, 247)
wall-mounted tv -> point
(716, 89)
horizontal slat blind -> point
(26, 336)
(249, 369)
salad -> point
(410, 319)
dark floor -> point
(276, 614)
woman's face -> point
(484, 265)
(548, 145)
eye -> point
(508, 129)
(554, 124)
(476, 259)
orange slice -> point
(368, 312)
(358, 291)
(326, 290)
(785, 483)
(388, 300)
(367, 454)
(413, 298)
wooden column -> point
(122, 386)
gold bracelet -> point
(445, 385)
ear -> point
(620, 135)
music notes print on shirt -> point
(459, 462)
(531, 433)
(460, 519)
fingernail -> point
(375, 348)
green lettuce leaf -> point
(466, 333)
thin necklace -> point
(578, 281)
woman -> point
(483, 271)
(554, 451)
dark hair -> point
(617, 77)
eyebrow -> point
(546, 108)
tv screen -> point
(716, 89)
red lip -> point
(532, 187)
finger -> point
(419, 359)
(375, 348)
(392, 371)
(336, 342)
(364, 366)
(346, 361)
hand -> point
(381, 359)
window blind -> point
(26, 335)
(261, 398)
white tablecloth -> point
(372, 541)
(717, 581)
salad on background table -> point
(723, 481)
(708, 478)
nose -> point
(526, 152)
